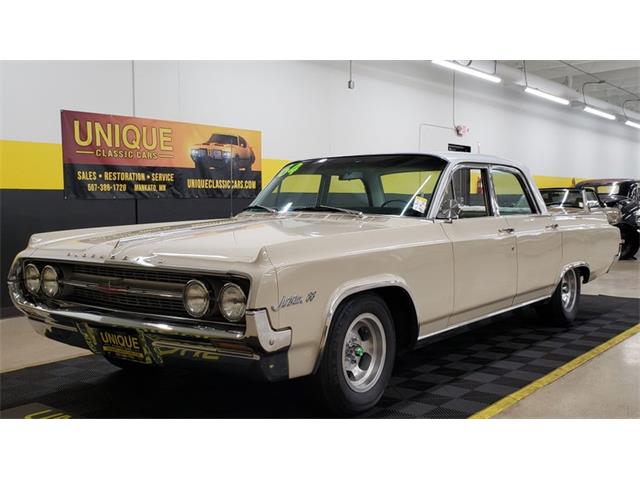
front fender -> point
(350, 288)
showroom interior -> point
(530, 112)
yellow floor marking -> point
(524, 392)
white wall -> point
(304, 109)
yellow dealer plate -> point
(122, 344)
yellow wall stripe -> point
(559, 372)
(30, 165)
(38, 166)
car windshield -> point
(611, 189)
(224, 139)
(562, 198)
(377, 184)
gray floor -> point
(606, 387)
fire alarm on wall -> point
(462, 130)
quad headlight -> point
(50, 281)
(232, 302)
(32, 278)
(196, 298)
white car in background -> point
(337, 266)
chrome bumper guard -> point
(164, 337)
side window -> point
(347, 193)
(592, 199)
(243, 142)
(511, 194)
(468, 188)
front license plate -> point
(122, 343)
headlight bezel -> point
(56, 280)
(231, 288)
(206, 294)
(30, 266)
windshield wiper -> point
(319, 208)
(260, 207)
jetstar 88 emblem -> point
(290, 300)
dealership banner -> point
(113, 156)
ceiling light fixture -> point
(629, 122)
(548, 96)
(591, 110)
(540, 93)
(599, 113)
(469, 71)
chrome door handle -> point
(553, 226)
(506, 230)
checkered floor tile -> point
(450, 378)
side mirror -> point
(450, 210)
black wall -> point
(24, 212)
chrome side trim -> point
(143, 292)
(571, 266)
(482, 317)
(348, 290)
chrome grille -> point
(119, 272)
(135, 289)
(125, 302)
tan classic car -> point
(337, 266)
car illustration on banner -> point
(338, 265)
(223, 151)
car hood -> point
(238, 239)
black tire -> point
(333, 388)
(631, 242)
(556, 310)
(132, 367)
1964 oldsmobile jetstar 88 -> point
(338, 264)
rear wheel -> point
(562, 307)
(358, 357)
(630, 243)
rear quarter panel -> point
(588, 238)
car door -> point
(538, 239)
(483, 249)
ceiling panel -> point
(622, 77)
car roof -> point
(606, 181)
(449, 157)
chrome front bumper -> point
(255, 346)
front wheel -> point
(358, 357)
(562, 307)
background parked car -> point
(579, 199)
(622, 193)
(224, 151)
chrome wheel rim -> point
(363, 352)
(568, 289)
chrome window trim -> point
(444, 180)
(524, 181)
